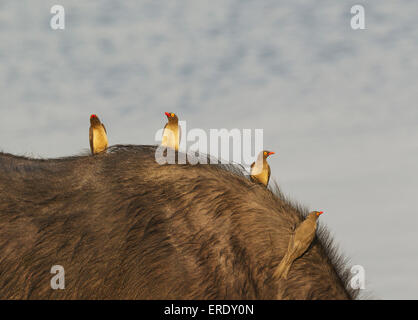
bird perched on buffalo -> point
(260, 169)
(172, 132)
(97, 135)
(299, 242)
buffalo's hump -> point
(125, 227)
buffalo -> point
(123, 226)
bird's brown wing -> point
(164, 128)
(251, 171)
(91, 139)
(104, 128)
(163, 137)
(306, 229)
(268, 177)
(304, 235)
(291, 242)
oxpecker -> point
(97, 135)
(299, 242)
(260, 169)
(172, 132)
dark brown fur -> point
(124, 227)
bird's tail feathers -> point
(283, 268)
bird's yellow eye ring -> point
(265, 153)
(172, 114)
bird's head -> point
(267, 153)
(316, 214)
(172, 117)
(94, 119)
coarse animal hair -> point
(125, 227)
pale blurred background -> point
(338, 106)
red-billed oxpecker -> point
(299, 242)
(260, 169)
(97, 135)
(172, 132)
